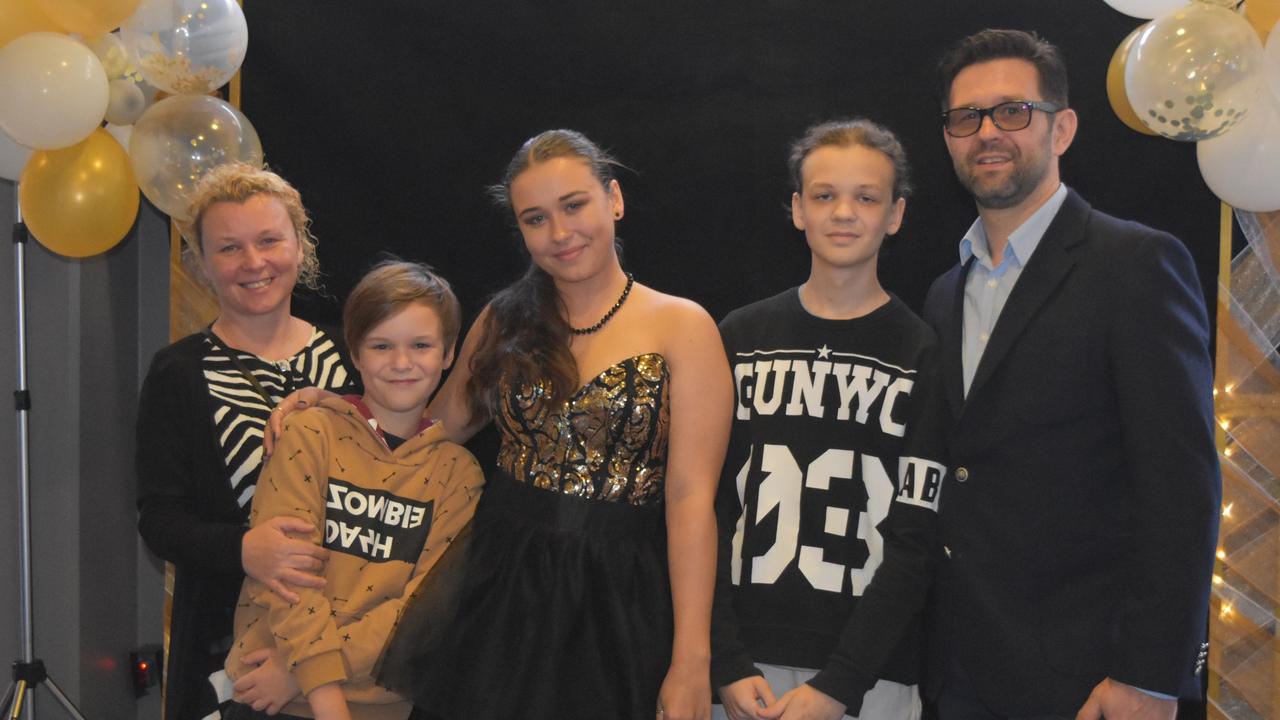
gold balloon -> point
(82, 200)
(1115, 86)
(19, 17)
(1263, 14)
(88, 17)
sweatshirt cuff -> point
(727, 670)
(319, 669)
(847, 688)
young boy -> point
(829, 494)
(387, 491)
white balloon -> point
(13, 157)
(1242, 167)
(53, 89)
(126, 103)
(1146, 9)
(187, 46)
(1271, 61)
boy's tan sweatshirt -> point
(385, 517)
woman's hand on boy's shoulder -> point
(299, 399)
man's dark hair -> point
(995, 44)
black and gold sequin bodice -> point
(608, 441)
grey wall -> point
(92, 326)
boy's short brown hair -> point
(387, 289)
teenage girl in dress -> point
(586, 587)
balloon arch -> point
(106, 97)
(1200, 72)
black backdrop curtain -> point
(392, 116)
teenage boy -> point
(828, 501)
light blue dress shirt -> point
(988, 285)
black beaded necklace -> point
(612, 311)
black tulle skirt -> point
(546, 606)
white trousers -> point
(886, 701)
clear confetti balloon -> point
(111, 52)
(179, 139)
(187, 46)
(1194, 73)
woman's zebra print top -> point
(240, 413)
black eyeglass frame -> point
(1045, 107)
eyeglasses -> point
(1007, 116)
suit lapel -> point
(951, 341)
(1049, 264)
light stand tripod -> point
(28, 671)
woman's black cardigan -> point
(188, 515)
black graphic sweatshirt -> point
(828, 501)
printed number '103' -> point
(781, 490)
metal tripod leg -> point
(18, 693)
(62, 699)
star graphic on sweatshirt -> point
(824, 351)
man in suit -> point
(1080, 518)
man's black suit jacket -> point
(1079, 521)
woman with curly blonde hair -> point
(204, 403)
